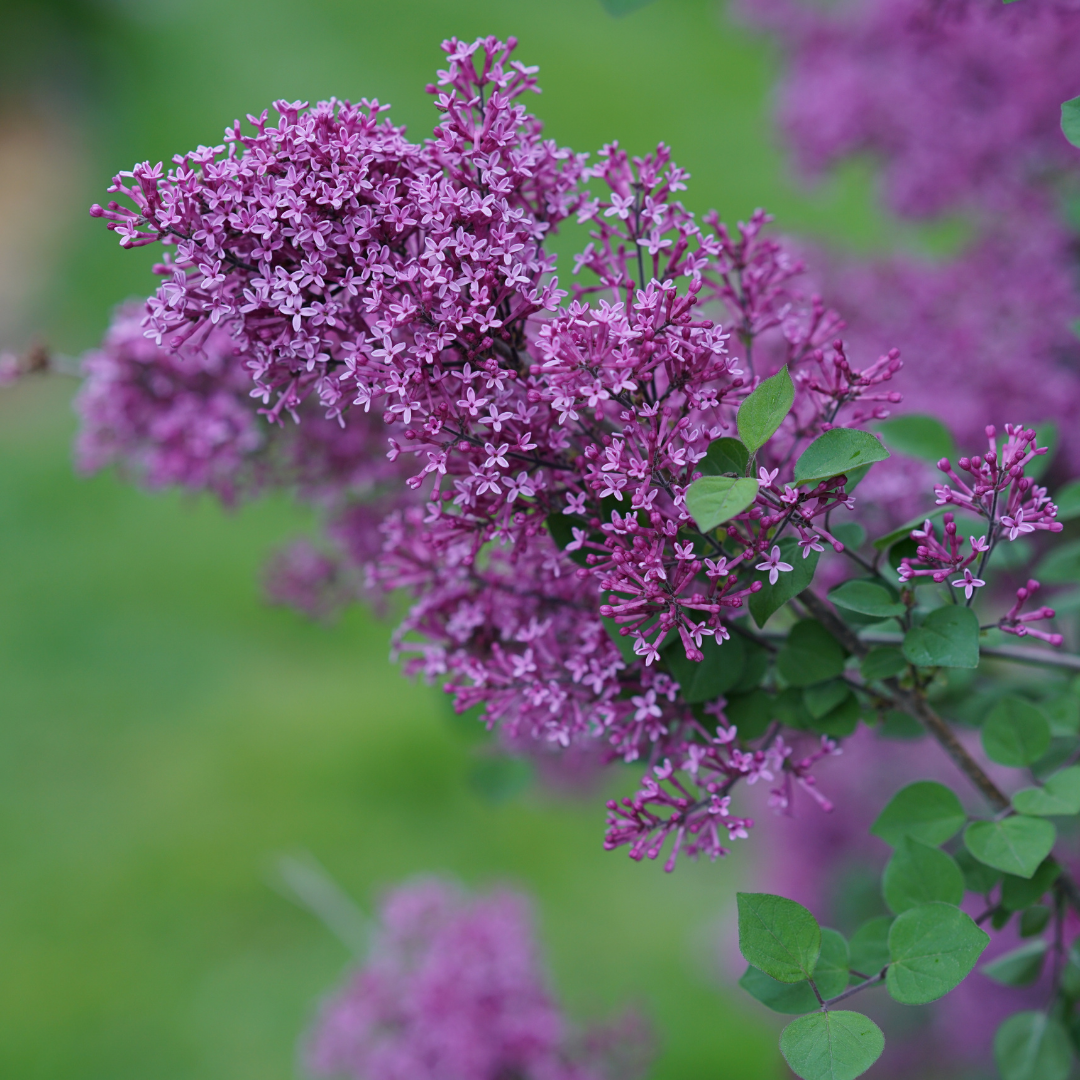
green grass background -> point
(165, 735)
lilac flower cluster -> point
(695, 818)
(453, 990)
(1011, 503)
(355, 281)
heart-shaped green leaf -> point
(712, 500)
(1032, 1046)
(1016, 844)
(830, 977)
(932, 949)
(839, 450)
(926, 811)
(778, 936)
(1015, 732)
(867, 597)
(1018, 967)
(948, 637)
(919, 874)
(835, 1045)
(725, 455)
(1058, 797)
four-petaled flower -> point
(774, 565)
(1017, 525)
(969, 583)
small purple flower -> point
(1016, 524)
(969, 583)
(774, 565)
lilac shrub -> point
(453, 990)
(606, 504)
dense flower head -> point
(453, 990)
(375, 290)
(958, 99)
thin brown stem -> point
(878, 978)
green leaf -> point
(778, 936)
(780, 997)
(1020, 967)
(1068, 501)
(869, 947)
(839, 450)
(1033, 920)
(1032, 1046)
(1061, 566)
(932, 948)
(707, 679)
(867, 597)
(764, 410)
(840, 721)
(948, 637)
(1016, 844)
(831, 974)
(1070, 120)
(926, 811)
(810, 654)
(725, 455)
(751, 713)
(903, 532)
(712, 500)
(1063, 713)
(1058, 797)
(771, 598)
(830, 977)
(882, 663)
(1018, 893)
(1015, 732)
(919, 874)
(821, 699)
(836, 1045)
(978, 877)
(919, 436)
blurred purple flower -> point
(454, 990)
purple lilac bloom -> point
(177, 417)
(391, 311)
(453, 989)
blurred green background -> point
(165, 736)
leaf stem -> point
(878, 978)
